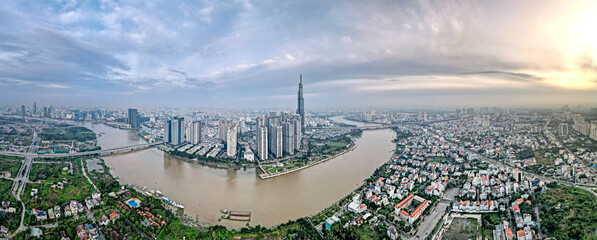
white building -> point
(231, 143)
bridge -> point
(102, 152)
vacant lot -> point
(568, 213)
(67, 132)
(462, 228)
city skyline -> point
(247, 54)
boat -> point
(158, 192)
(174, 204)
(178, 205)
(224, 210)
(224, 216)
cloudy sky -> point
(250, 53)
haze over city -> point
(248, 54)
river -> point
(204, 190)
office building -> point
(195, 132)
(133, 118)
(301, 104)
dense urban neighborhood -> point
(469, 174)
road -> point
(428, 224)
(527, 173)
(22, 178)
(538, 221)
(85, 173)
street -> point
(428, 224)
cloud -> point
(205, 50)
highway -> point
(22, 178)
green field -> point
(48, 173)
(9, 220)
(568, 213)
(10, 164)
(76, 188)
(67, 132)
(334, 147)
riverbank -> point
(266, 175)
(220, 165)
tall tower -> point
(133, 118)
(301, 104)
(195, 137)
(231, 132)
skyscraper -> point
(195, 133)
(174, 131)
(262, 142)
(23, 112)
(133, 118)
(231, 133)
(301, 104)
(288, 135)
(275, 140)
(298, 134)
(168, 131)
(222, 129)
(34, 108)
(563, 130)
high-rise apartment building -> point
(133, 118)
(223, 129)
(195, 132)
(298, 134)
(563, 130)
(288, 135)
(262, 142)
(231, 133)
(174, 131)
(275, 140)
